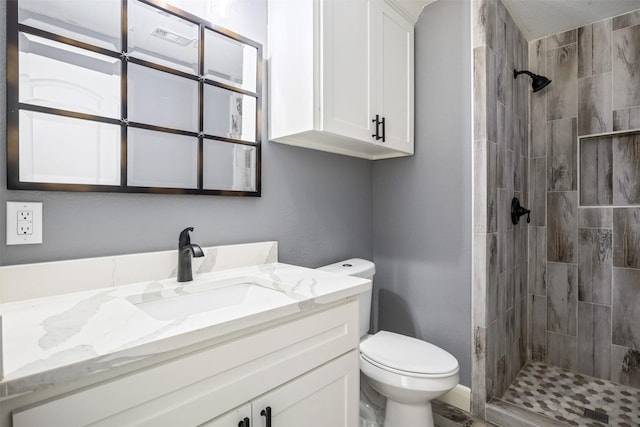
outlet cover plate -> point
(13, 238)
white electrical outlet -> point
(24, 223)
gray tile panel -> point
(625, 311)
(595, 261)
(562, 230)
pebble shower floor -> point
(564, 396)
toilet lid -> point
(408, 354)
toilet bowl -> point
(410, 373)
(407, 371)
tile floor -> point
(564, 395)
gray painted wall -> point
(316, 205)
(422, 204)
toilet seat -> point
(408, 356)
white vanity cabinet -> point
(320, 398)
(304, 368)
(341, 77)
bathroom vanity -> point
(249, 342)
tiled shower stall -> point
(584, 254)
(565, 289)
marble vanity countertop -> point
(55, 340)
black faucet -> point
(185, 250)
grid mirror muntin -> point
(50, 28)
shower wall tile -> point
(538, 102)
(561, 39)
(594, 103)
(595, 217)
(626, 20)
(524, 329)
(537, 132)
(491, 82)
(626, 119)
(500, 379)
(562, 69)
(480, 193)
(626, 229)
(626, 169)
(562, 230)
(594, 49)
(596, 160)
(537, 191)
(584, 261)
(503, 80)
(504, 218)
(626, 67)
(479, 291)
(500, 158)
(561, 159)
(562, 298)
(504, 280)
(501, 34)
(625, 310)
(501, 171)
(595, 261)
(561, 351)
(479, 93)
(625, 366)
(519, 243)
(538, 261)
(493, 283)
(479, 370)
(594, 340)
(492, 188)
(482, 16)
(485, 291)
(538, 328)
(491, 356)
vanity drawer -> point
(199, 386)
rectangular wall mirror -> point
(130, 96)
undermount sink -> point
(202, 298)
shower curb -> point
(506, 414)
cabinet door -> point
(326, 396)
(393, 43)
(232, 418)
(346, 69)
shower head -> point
(538, 83)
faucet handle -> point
(184, 238)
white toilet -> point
(407, 371)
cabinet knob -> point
(266, 412)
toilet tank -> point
(359, 268)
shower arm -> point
(529, 73)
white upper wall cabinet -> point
(341, 77)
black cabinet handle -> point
(266, 412)
(377, 122)
(244, 423)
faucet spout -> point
(186, 250)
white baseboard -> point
(460, 397)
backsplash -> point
(27, 281)
(584, 280)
